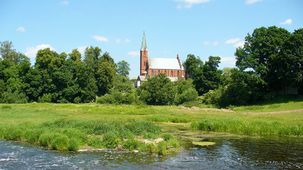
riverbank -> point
(152, 129)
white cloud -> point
(32, 51)
(65, 2)
(228, 61)
(100, 38)
(21, 29)
(236, 42)
(251, 2)
(133, 53)
(190, 3)
(286, 22)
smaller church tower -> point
(143, 56)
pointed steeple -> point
(143, 43)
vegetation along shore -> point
(151, 129)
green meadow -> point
(151, 129)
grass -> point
(69, 127)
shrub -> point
(158, 90)
(45, 139)
(167, 136)
(13, 97)
(60, 142)
(46, 98)
(13, 133)
(131, 144)
(95, 141)
(185, 92)
(73, 144)
(110, 140)
(32, 136)
(162, 148)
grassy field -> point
(140, 127)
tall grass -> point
(72, 126)
(250, 127)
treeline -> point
(270, 64)
(54, 77)
(69, 78)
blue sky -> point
(201, 27)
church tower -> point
(143, 56)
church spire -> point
(143, 43)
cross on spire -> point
(143, 43)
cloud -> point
(32, 51)
(21, 29)
(236, 42)
(286, 22)
(190, 3)
(228, 61)
(65, 2)
(251, 2)
(100, 38)
(133, 53)
(213, 43)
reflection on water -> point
(226, 154)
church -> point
(149, 67)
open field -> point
(140, 127)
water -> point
(226, 154)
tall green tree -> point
(123, 68)
(158, 90)
(205, 76)
(13, 67)
(106, 70)
(261, 52)
(192, 66)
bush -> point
(158, 90)
(240, 89)
(110, 140)
(95, 141)
(131, 144)
(32, 136)
(13, 97)
(167, 136)
(60, 142)
(46, 98)
(45, 139)
(185, 92)
(162, 148)
(13, 133)
(73, 144)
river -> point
(242, 153)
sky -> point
(200, 27)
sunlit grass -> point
(75, 126)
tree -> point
(105, 72)
(123, 68)
(240, 88)
(122, 92)
(185, 91)
(261, 53)
(288, 66)
(192, 65)
(205, 76)
(13, 67)
(158, 90)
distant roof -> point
(164, 63)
